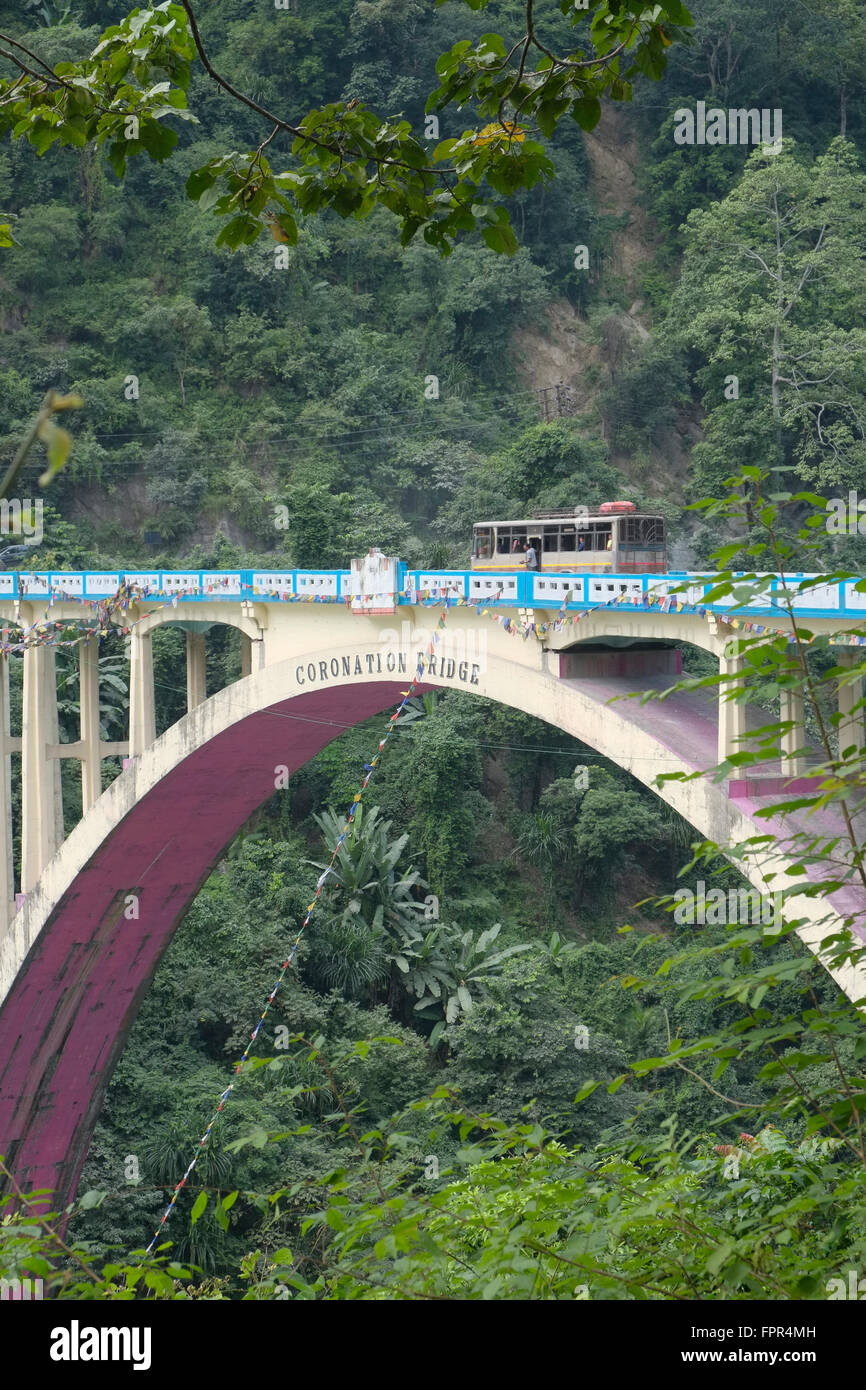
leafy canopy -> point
(135, 84)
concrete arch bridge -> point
(74, 966)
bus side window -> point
(567, 538)
(503, 540)
(602, 538)
(481, 543)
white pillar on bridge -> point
(246, 655)
(851, 720)
(91, 756)
(793, 758)
(142, 710)
(7, 867)
(196, 670)
(41, 797)
(732, 713)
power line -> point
(302, 451)
(504, 396)
(390, 424)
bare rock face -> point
(622, 337)
(613, 157)
(568, 351)
(569, 361)
(559, 354)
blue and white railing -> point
(511, 590)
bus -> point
(615, 539)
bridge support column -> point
(791, 707)
(196, 670)
(7, 869)
(91, 761)
(41, 797)
(246, 655)
(851, 721)
(142, 710)
(732, 713)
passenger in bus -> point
(531, 557)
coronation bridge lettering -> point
(385, 663)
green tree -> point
(554, 457)
(137, 80)
(447, 969)
(439, 781)
(835, 49)
(175, 332)
(113, 694)
(772, 292)
(367, 904)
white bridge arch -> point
(73, 967)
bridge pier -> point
(793, 759)
(142, 708)
(851, 719)
(7, 867)
(732, 712)
(41, 797)
(196, 670)
(91, 755)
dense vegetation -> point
(484, 910)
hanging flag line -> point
(369, 769)
(44, 632)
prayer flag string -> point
(46, 631)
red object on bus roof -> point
(607, 507)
